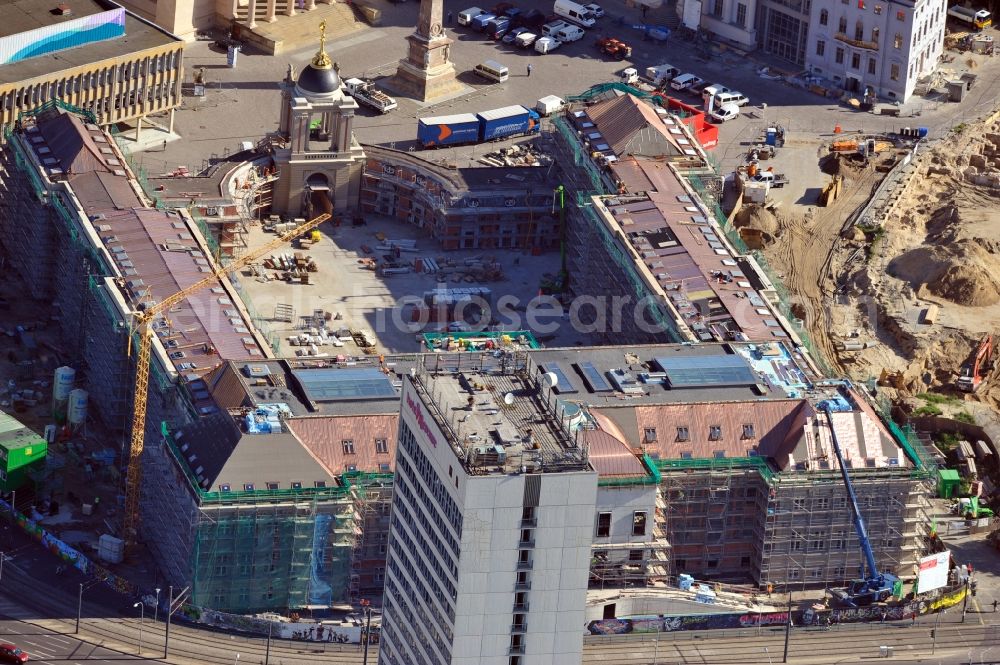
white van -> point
(685, 82)
(545, 44)
(725, 112)
(570, 33)
(710, 91)
(732, 97)
(550, 29)
(659, 74)
(492, 70)
(466, 15)
(574, 13)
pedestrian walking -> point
(164, 144)
(644, 9)
(529, 70)
(994, 606)
(449, 18)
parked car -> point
(12, 654)
(725, 112)
(595, 9)
(533, 19)
(512, 35)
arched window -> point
(824, 16)
(898, 41)
(842, 28)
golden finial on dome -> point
(321, 60)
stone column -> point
(252, 15)
(310, 5)
(271, 18)
(290, 10)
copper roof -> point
(154, 252)
(685, 253)
(630, 126)
(611, 457)
(324, 437)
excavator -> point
(975, 371)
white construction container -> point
(62, 385)
(110, 549)
(76, 412)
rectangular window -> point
(639, 523)
(855, 61)
(296, 485)
(381, 446)
(714, 432)
(719, 454)
(650, 434)
(900, 15)
(897, 41)
(871, 65)
(272, 486)
(839, 56)
(635, 555)
(686, 454)
(319, 484)
(224, 487)
(718, 8)
(741, 15)
(348, 445)
(795, 546)
(894, 72)
(603, 525)
(248, 487)
(682, 434)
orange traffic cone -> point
(837, 129)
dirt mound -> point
(758, 218)
(837, 163)
(962, 272)
(967, 285)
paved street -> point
(242, 103)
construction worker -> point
(529, 70)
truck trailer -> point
(979, 19)
(474, 128)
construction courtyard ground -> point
(359, 299)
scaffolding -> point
(738, 519)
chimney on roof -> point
(63, 10)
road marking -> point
(60, 640)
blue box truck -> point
(507, 121)
(486, 126)
(448, 130)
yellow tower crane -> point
(143, 326)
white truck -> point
(979, 19)
(367, 94)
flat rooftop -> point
(650, 374)
(18, 16)
(501, 420)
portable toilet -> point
(771, 137)
(948, 482)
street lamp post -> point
(368, 628)
(788, 628)
(79, 608)
(267, 653)
(965, 603)
(156, 608)
(2, 557)
(142, 614)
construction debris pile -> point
(520, 154)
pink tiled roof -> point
(777, 428)
(323, 437)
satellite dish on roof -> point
(550, 380)
(508, 399)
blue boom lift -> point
(874, 586)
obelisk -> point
(426, 73)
